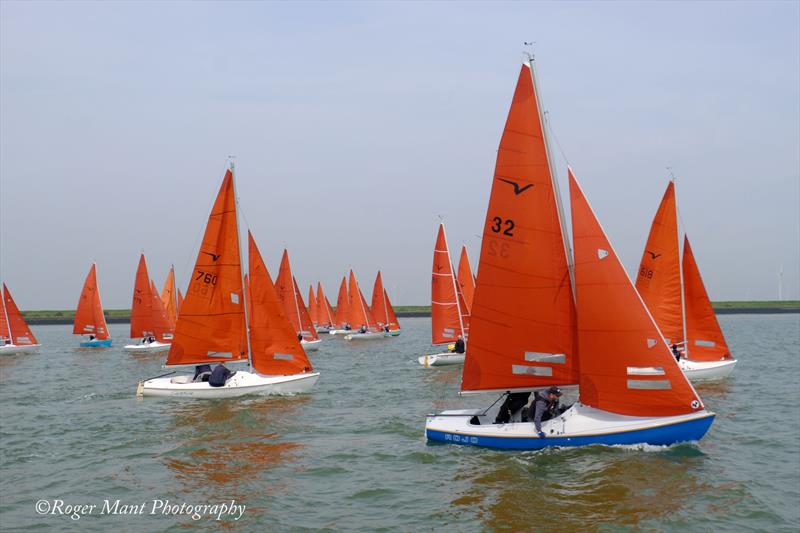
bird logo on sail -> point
(214, 257)
(602, 254)
(653, 254)
(517, 189)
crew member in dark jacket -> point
(459, 347)
(219, 376)
(544, 407)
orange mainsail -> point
(273, 341)
(161, 325)
(523, 315)
(446, 313)
(180, 303)
(360, 314)
(16, 328)
(626, 365)
(313, 307)
(466, 281)
(378, 306)
(5, 333)
(659, 277)
(342, 305)
(142, 304)
(169, 298)
(705, 341)
(324, 311)
(211, 322)
(394, 324)
(89, 318)
(307, 328)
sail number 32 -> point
(498, 224)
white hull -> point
(707, 370)
(10, 349)
(311, 346)
(364, 336)
(322, 329)
(442, 359)
(153, 347)
(340, 331)
(578, 426)
(240, 384)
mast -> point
(241, 267)
(680, 272)
(453, 279)
(559, 205)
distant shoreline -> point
(122, 316)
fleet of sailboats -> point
(546, 309)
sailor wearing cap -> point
(544, 407)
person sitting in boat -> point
(219, 376)
(362, 329)
(6, 341)
(459, 346)
(299, 337)
(347, 327)
(386, 328)
(91, 338)
(676, 352)
(514, 402)
(544, 407)
(202, 372)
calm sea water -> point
(352, 454)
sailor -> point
(300, 337)
(459, 346)
(544, 407)
(386, 328)
(91, 338)
(513, 403)
(347, 327)
(676, 352)
(362, 329)
(219, 375)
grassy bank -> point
(126, 313)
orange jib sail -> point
(626, 365)
(211, 322)
(378, 307)
(360, 314)
(342, 305)
(522, 328)
(142, 303)
(5, 333)
(307, 329)
(162, 329)
(89, 318)
(273, 341)
(17, 329)
(324, 310)
(180, 302)
(313, 306)
(394, 324)
(705, 341)
(169, 298)
(659, 278)
(446, 314)
(466, 281)
(284, 285)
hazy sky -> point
(356, 124)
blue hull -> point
(96, 344)
(692, 430)
(392, 333)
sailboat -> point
(382, 309)
(674, 292)
(215, 326)
(313, 308)
(170, 299)
(15, 334)
(529, 331)
(449, 317)
(342, 318)
(325, 314)
(149, 320)
(293, 305)
(466, 281)
(360, 315)
(89, 317)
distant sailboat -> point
(170, 298)
(528, 331)
(293, 305)
(89, 317)
(342, 319)
(149, 320)
(673, 290)
(382, 309)
(360, 317)
(466, 281)
(449, 315)
(15, 334)
(325, 313)
(313, 308)
(213, 324)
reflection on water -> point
(579, 489)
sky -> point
(356, 126)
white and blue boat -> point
(543, 317)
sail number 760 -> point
(498, 224)
(207, 277)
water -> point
(352, 455)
